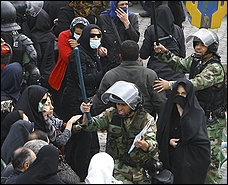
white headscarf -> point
(101, 169)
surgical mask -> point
(40, 107)
(94, 44)
(76, 36)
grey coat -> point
(133, 72)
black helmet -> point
(31, 8)
(124, 93)
(208, 38)
(78, 20)
(20, 6)
(8, 17)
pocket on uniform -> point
(115, 131)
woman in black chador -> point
(182, 135)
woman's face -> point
(181, 91)
(47, 105)
(78, 31)
(95, 34)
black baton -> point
(80, 76)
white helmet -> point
(123, 92)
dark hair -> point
(20, 156)
(81, 26)
(129, 50)
(38, 134)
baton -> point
(81, 80)
(153, 20)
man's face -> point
(123, 109)
(122, 4)
(200, 48)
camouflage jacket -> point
(122, 134)
(97, 9)
(212, 74)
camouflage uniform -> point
(212, 76)
(121, 136)
(104, 5)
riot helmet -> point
(76, 21)
(207, 37)
(8, 17)
(124, 93)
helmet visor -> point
(125, 91)
(204, 35)
(34, 7)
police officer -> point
(208, 77)
(123, 122)
(23, 49)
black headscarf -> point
(84, 40)
(193, 150)
(10, 119)
(11, 78)
(165, 19)
(44, 169)
(17, 137)
(29, 101)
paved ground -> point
(188, 29)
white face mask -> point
(94, 44)
(76, 36)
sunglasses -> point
(92, 35)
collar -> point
(130, 63)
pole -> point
(81, 80)
(153, 21)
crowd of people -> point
(161, 127)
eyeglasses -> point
(92, 35)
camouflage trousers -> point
(128, 174)
(215, 134)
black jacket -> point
(42, 36)
(92, 74)
(110, 39)
(165, 27)
(65, 17)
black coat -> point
(43, 38)
(92, 74)
(65, 17)
(110, 39)
(83, 145)
(165, 27)
(190, 160)
(53, 7)
(44, 168)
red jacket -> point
(57, 74)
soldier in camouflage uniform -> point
(123, 123)
(208, 77)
